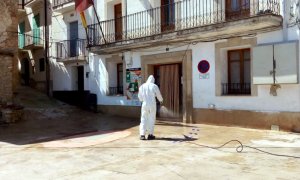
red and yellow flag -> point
(81, 5)
(83, 20)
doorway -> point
(80, 70)
(118, 22)
(26, 72)
(167, 15)
(168, 79)
(73, 39)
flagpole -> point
(99, 22)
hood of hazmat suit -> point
(148, 91)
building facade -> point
(31, 43)
(227, 62)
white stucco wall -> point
(204, 90)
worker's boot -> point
(151, 137)
(142, 138)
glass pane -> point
(235, 72)
(247, 73)
(234, 56)
(120, 83)
(247, 55)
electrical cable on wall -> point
(274, 87)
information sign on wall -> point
(133, 82)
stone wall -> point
(8, 48)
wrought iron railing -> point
(182, 15)
(236, 88)
(34, 37)
(58, 3)
(116, 91)
(71, 48)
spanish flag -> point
(81, 5)
(83, 20)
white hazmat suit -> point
(147, 93)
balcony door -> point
(236, 9)
(36, 29)
(73, 38)
(21, 35)
(118, 22)
(167, 15)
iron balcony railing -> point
(178, 16)
(71, 48)
(58, 3)
(236, 88)
(116, 91)
(34, 37)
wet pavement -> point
(58, 141)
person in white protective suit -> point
(147, 93)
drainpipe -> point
(286, 13)
(46, 31)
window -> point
(120, 77)
(42, 64)
(239, 75)
(115, 71)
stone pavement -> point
(58, 141)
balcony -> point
(186, 20)
(61, 6)
(32, 3)
(31, 40)
(21, 7)
(70, 51)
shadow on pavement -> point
(184, 139)
(47, 120)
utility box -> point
(286, 61)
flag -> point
(83, 20)
(81, 5)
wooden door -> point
(237, 9)
(118, 22)
(167, 77)
(80, 74)
(167, 15)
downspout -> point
(46, 31)
(286, 13)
